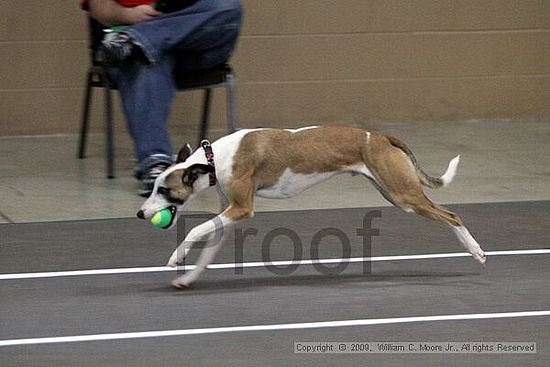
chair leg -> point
(85, 121)
(109, 127)
(203, 134)
(232, 114)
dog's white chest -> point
(291, 184)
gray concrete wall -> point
(309, 61)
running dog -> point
(281, 163)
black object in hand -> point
(170, 6)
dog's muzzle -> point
(140, 214)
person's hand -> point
(140, 14)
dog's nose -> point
(141, 214)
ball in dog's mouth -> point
(164, 218)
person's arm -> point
(109, 12)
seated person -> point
(142, 55)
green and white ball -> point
(162, 218)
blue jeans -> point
(200, 36)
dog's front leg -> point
(205, 258)
(213, 232)
(224, 201)
(208, 230)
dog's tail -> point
(425, 179)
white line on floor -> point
(294, 326)
(258, 264)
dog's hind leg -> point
(425, 207)
(399, 183)
(431, 210)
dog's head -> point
(175, 186)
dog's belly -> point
(291, 184)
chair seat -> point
(195, 79)
(185, 80)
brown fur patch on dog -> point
(265, 154)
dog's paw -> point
(180, 284)
(173, 261)
(480, 257)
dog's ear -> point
(192, 173)
(184, 153)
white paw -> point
(180, 283)
(480, 257)
(173, 261)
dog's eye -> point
(164, 191)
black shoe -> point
(118, 49)
(147, 178)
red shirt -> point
(128, 3)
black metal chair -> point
(206, 79)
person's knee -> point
(232, 9)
